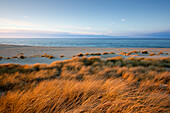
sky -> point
(56, 18)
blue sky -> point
(52, 18)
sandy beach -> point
(68, 52)
(11, 50)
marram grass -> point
(87, 85)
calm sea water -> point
(90, 42)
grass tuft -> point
(61, 56)
(22, 57)
(80, 55)
(51, 57)
(151, 54)
(95, 54)
(14, 57)
(111, 52)
(144, 52)
(113, 59)
(104, 53)
(86, 54)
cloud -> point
(123, 20)
(9, 33)
(25, 17)
(11, 23)
(88, 28)
(12, 33)
(71, 27)
(24, 24)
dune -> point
(85, 84)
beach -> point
(12, 50)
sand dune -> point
(87, 85)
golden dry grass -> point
(123, 53)
(20, 54)
(61, 56)
(95, 53)
(151, 54)
(129, 53)
(22, 57)
(86, 54)
(74, 56)
(160, 53)
(44, 55)
(87, 85)
(50, 56)
(7, 57)
(111, 52)
(14, 57)
(104, 53)
(144, 52)
(80, 55)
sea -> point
(90, 42)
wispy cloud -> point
(88, 27)
(17, 23)
(123, 20)
(71, 27)
(11, 33)
(28, 24)
(26, 17)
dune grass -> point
(61, 56)
(152, 54)
(80, 55)
(104, 53)
(144, 52)
(95, 54)
(87, 85)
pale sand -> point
(12, 50)
(68, 52)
